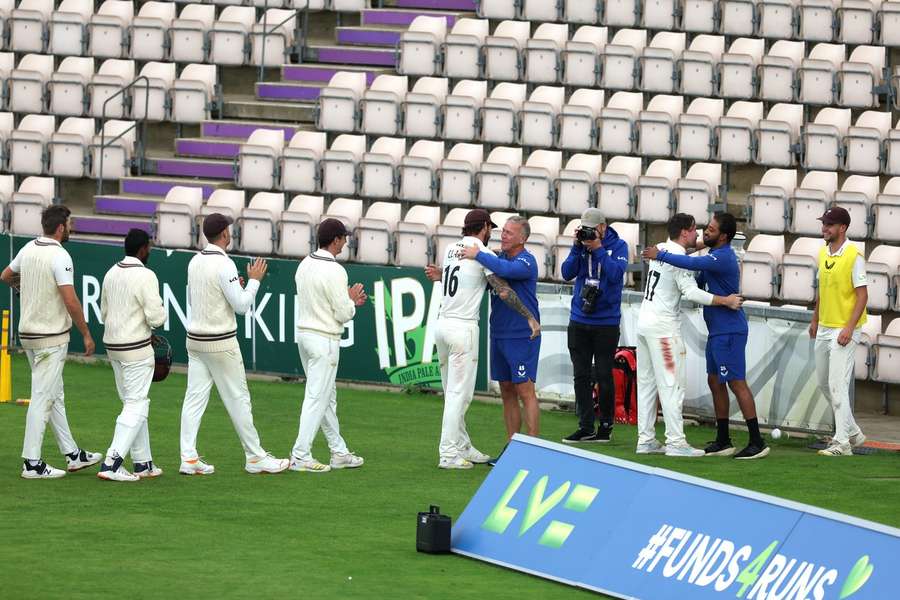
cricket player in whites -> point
(463, 284)
(660, 348)
(44, 275)
(131, 307)
(214, 356)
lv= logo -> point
(539, 504)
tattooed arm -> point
(512, 300)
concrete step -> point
(113, 226)
(243, 129)
(131, 205)
(300, 92)
(383, 35)
(248, 107)
(160, 186)
(324, 73)
(348, 55)
(400, 16)
(225, 148)
(465, 5)
(190, 167)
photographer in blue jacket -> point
(597, 262)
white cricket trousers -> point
(661, 370)
(133, 379)
(457, 347)
(834, 371)
(226, 370)
(319, 356)
(47, 402)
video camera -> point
(585, 234)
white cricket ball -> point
(776, 433)
(349, 579)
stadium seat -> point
(194, 94)
(581, 66)
(886, 352)
(337, 107)
(816, 76)
(28, 203)
(420, 47)
(659, 62)
(631, 234)
(857, 194)
(230, 203)
(737, 132)
(575, 185)
(809, 201)
(462, 49)
(108, 29)
(578, 120)
(421, 107)
(536, 182)
(544, 231)
(857, 21)
(738, 68)
(418, 182)
(699, 16)
(823, 139)
(695, 131)
(462, 111)
(562, 245)
(378, 168)
(300, 161)
(68, 27)
(339, 174)
(654, 192)
(6, 128)
(149, 33)
(698, 190)
(543, 51)
(68, 148)
(778, 70)
(456, 174)
(449, 231)
(615, 127)
(768, 200)
(657, 124)
(7, 189)
(699, 64)
(498, 9)
(888, 29)
(503, 51)
(271, 39)
(886, 212)
(25, 86)
(863, 359)
(348, 211)
(257, 161)
(882, 268)
(496, 178)
(27, 24)
(661, 14)
(615, 187)
(539, 117)
(413, 236)
(105, 91)
(67, 88)
(737, 17)
(499, 114)
(228, 36)
(257, 224)
(380, 106)
(150, 96)
(539, 10)
(798, 271)
(816, 20)
(27, 144)
(759, 267)
(188, 33)
(579, 11)
(174, 223)
(621, 13)
(375, 233)
(7, 64)
(116, 153)
(860, 78)
(777, 19)
(778, 134)
(296, 227)
(864, 142)
(620, 59)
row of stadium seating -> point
(878, 353)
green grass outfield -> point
(303, 535)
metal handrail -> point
(266, 32)
(103, 142)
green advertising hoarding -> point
(391, 339)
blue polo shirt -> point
(521, 272)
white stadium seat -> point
(337, 106)
(188, 33)
(25, 86)
(543, 50)
(699, 64)
(498, 9)
(863, 359)
(778, 70)
(300, 161)
(759, 267)
(777, 18)
(150, 96)
(615, 187)
(544, 231)
(496, 178)
(68, 149)
(575, 184)
(413, 236)
(348, 211)
(272, 37)
(503, 50)
(857, 194)
(778, 134)
(536, 181)
(380, 106)
(27, 25)
(296, 227)
(421, 46)
(809, 201)
(108, 29)
(578, 118)
(150, 31)
(562, 245)
(615, 127)
(462, 49)
(579, 11)
(886, 351)
(194, 94)
(860, 77)
(375, 233)
(68, 27)
(339, 175)
(28, 203)
(174, 221)
(659, 62)
(823, 139)
(539, 117)
(422, 107)
(499, 115)
(816, 20)
(581, 66)
(738, 17)
(27, 144)
(816, 75)
(116, 153)
(657, 124)
(378, 168)
(768, 200)
(886, 212)
(737, 132)
(417, 171)
(228, 35)
(620, 59)
(106, 99)
(621, 13)
(696, 129)
(798, 271)
(456, 175)
(738, 68)
(655, 191)
(882, 268)
(257, 224)
(258, 159)
(863, 145)
(462, 111)
(67, 88)
(698, 190)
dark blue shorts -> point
(725, 356)
(515, 359)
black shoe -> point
(718, 448)
(493, 460)
(604, 434)
(581, 435)
(753, 451)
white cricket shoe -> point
(147, 470)
(116, 473)
(858, 440)
(837, 450)
(41, 471)
(473, 455)
(457, 462)
(267, 464)
(308, 466)
(652, 447)
(346, 461)
(82, 459)
(684, 451)
(196, 466)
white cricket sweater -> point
(43, 265)
(215, 295)
(130, 306)
(322, 300)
